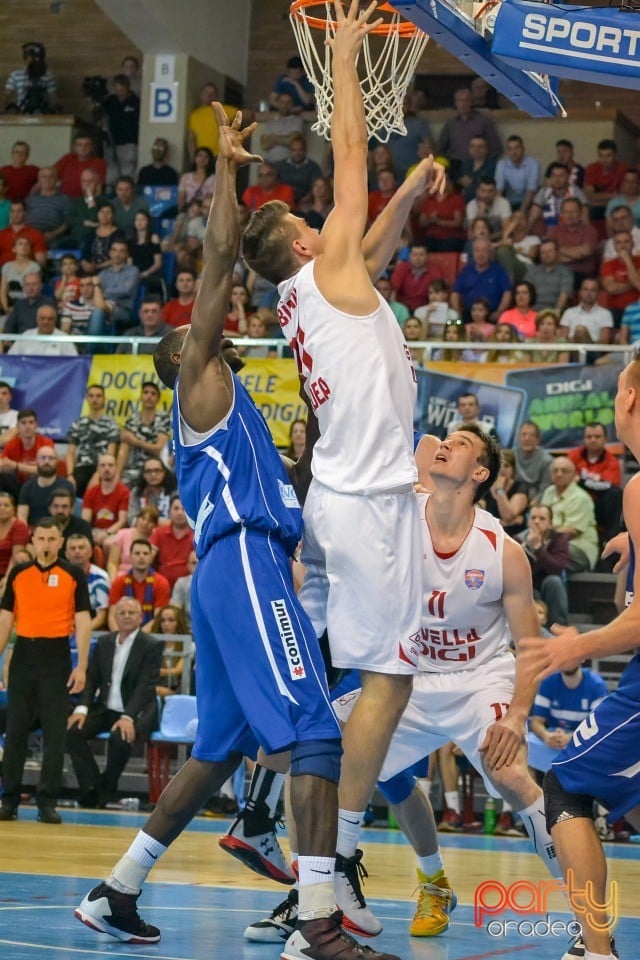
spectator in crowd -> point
(20, 175)
(14, 535)
(120, 286)
(517, 175)
(522, 316)
(189, 248)
(552, 280)
(548, 552)
(319, 204)
(122, 110)
(155, 486)
(386, 186)
(173, 543)
(630, 324)
(89, 437)
(621, 277)
(413, 332)
(149, 588)
(18, 461)
(48, 210)
(67, 286)
(455, 332)
(151, 326)
(71, 166)
(507, 499)
(37, 341)
(171, 619)
(119, 546)
(488, 204)
(83, 219)
(297, 440)
(598, 472)
(78, 551)
(405, 148)
(589, 314)
(5, 204)
(456, 133)
(32, 88)
(239, 310)
(13, 274)
(577, 240)
(483, 277)
(126, 204)
(200, 181)
(298, 170)
(158, 173)
(96, 253)
(295, 83)
(384, 288)
(621, 219)
(548, 335)
(177, 311)
(410, 279)
(504, 333)
(18, 225)
(86, 314)
(474, 167)
(41, 678)
(203, 129)
(469, 413)
(629, 196)
(181, 593)
(572, 513)
(124, 666)
(257, 330)
(517, 236)
(603, 178)
(440, 220)
(61, 509)
(533, 462)
(436, 312)
(267, 189)
(146, 254)
(130, 66)
(106, 503)
(37, 492)
(8, 415)
(562, 702)
(479, 326)
(278, 129)
(565, 156)
(144, 435)
(547, 202)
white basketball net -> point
(387, 72)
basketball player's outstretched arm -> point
(568, 648)
(505, 735)
(205, 380)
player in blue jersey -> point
(259, 671)
(602, 760)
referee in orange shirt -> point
(47, 599)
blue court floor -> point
(206, 921)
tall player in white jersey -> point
(478, 599)
(361, 544)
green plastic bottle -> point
(490, 815)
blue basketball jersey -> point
(565, 709)
(234, 478)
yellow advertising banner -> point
(273, 384)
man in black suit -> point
(125, 667)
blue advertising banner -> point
(562, 400)
(437, 405)
(53, 386)
(600, 45)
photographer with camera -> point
(32, 88)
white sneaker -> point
(577, 950)
(261, 851)
(357, 918)
(279, 925)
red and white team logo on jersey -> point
(474, 579)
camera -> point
(96, 88)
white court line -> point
(98, 953)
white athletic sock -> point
(132, 870)
(452, 800)
(506, 807)
(432, 864)
(315, 870)
(598, 956)
(316, 892)
(348, 831)
(536, 826)
(425, 785)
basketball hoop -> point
(390, 55)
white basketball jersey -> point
(360, 379)
(463, 619)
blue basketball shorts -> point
(602, 760)
(260, 677)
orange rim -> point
(404, 29)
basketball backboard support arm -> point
(453, 32)
(599, 45)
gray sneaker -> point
(279, 925)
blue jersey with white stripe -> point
(563, 708)
(235, 478)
